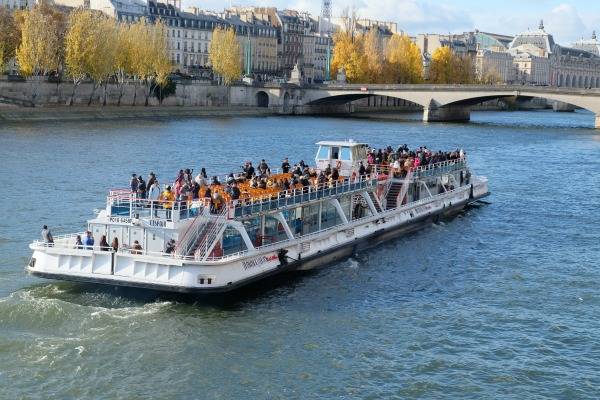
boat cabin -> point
(344, 155)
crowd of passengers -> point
(300, 176)
(259, 179)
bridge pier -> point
(447, 114)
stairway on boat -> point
(392, 195)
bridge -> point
(439, 102)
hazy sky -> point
(566, 20)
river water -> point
(501, 302)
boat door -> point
(98, 230)
(136, 233)
(116, 231)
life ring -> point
(338, 165)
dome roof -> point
(539, 38)
(592, 45)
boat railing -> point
(442, 167)
(423, 171)
(124, 203)
(309, 236)
(292, 197)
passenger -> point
(115, 244)
(262, 184)
(187, 175)
(302, 164)
(200, 180)
(361, 169)
(249, 170)
(195, 190)
(170, 249)
(47, 235)
(151, 179)
(328, 170)
(89, 241)
(133, 184)
(235, 191)
(154, 191)
(104, 244)
(263, 167)
(137, 248)
(285, 166)
(216, 203)
(215, 181)
(78, 242)
(167, 198)
(335, 174)
(203, 173)
(141, 191)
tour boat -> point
(265, 231)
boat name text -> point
(258, 261)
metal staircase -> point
(208, 235)
(392, 195)
(375, 201)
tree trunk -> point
(104, 94)
(148, 91)
(94, 87)
(121, 89)
(71, 99)
(134, 92)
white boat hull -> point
(179, 275)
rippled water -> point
(501, 302)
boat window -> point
(323, 153)
(329, 216)
(274, 231)
(294, 220)
(345, 154)
(335, 152)
(310, 219)
(232, 242)
(254, 230)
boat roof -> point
(346, 143)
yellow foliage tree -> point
(103, 68)
(36, 54)
(373, 50)
(403, 61)
(349, 54)
(9, 38)
(226, 55)
(149, 55)
(449, 68)
(123, 57)
(80, 46)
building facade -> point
(494, 66)
(576, 66)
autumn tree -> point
(123, 63)
(226, 55)
(36, 54)
(349, 54)
(105, 37)
(149, 55)
(9, 37)
(373, 53)
(80, 46)
(403, 61)
(450, 68)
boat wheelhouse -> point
(263, 231)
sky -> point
(567, 20)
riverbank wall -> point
(43, 93)
(84, 113)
